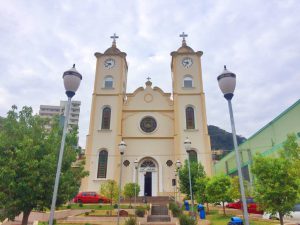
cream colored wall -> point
(158, 149)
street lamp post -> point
(227, 81)
(135, 182)
(175, 186)
(71, 82)
(178, 166)
(187, 145)
(122, 148)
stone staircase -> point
(159, 213)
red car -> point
(90, 197)
(251, 205)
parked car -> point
(90, 197)
(251, 206)
(294, 216)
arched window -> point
(102, 164)
(190, 118)
(106, 113)
(193, 156)
(108, 82)
(188, 81)
(148, 163)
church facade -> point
(152, 123)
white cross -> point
(183, 35)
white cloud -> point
(258, 40)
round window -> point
(148, 124)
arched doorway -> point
(148, 177)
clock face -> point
(187, 62)
(109, 63)
(148, 124)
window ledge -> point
(188, 88)
(191, 130)
(99, 179)
(108, 88)
(105, 130)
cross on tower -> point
(114, 37)
(148, 78)
(183, 35)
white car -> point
(294, 216)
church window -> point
(190, 118)
(193, 156)
(102, 164)
(148, 163)
(126, 163)
(148, 124)
(169, 163)
(187, 81)
(108, 82)
(106, 113)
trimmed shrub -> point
(80, 204)
(131, 221)
(140, 212)
(176, 211)
(86, 213)
(115, 206)
(68, 206)
(186, 220)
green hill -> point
(221, 139)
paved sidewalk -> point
(42, 216)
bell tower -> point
(105, 118)
(189, 105)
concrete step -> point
(159, 218)
(158, 223)
(159, 210)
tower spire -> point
(114, 37)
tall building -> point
(50, 111)
(152, 124)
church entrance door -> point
(148, 184)
(148, 177)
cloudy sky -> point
(258, 40)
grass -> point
(93, 206)
(219, 219)
(102, 213)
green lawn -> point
(93, 206)
(218, 219)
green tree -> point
(234, 191)
(130, 189)
(218, 190)
(201, 191)
(28, 159)
(197, 171)
(276, 186)
(110, 190)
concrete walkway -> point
(42, 216)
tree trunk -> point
(281, 218)
(223, 209)
(207, 206)
(26, 214)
